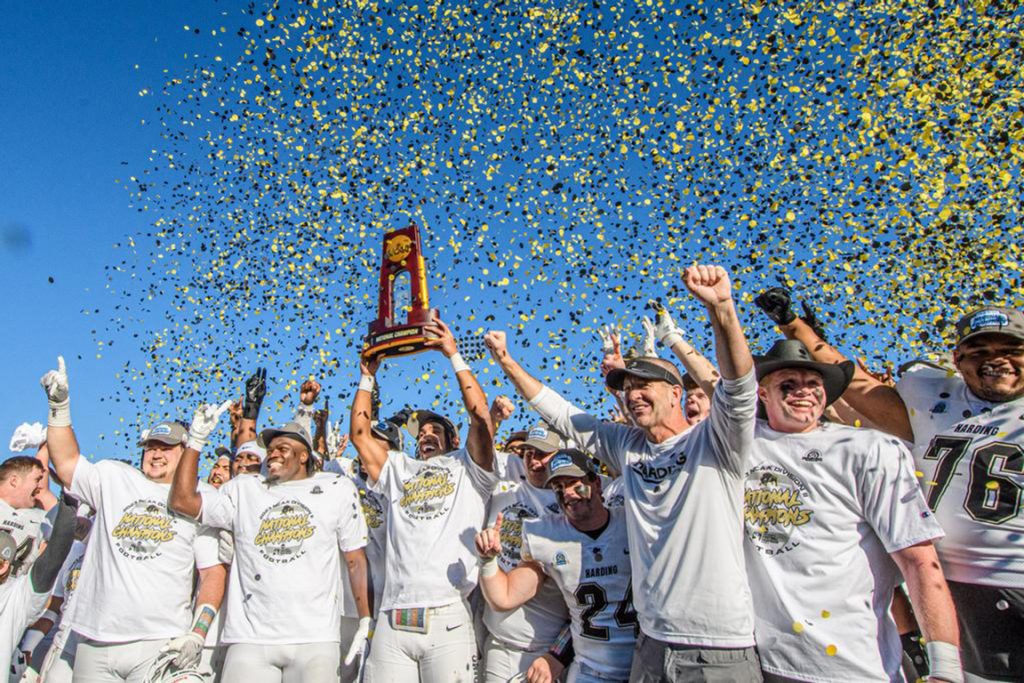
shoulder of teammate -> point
(923, 384)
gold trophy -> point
(388, 335)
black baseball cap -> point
(644, 368)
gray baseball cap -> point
(542, 437)
(568, 462)
(1008, 321)
(8, 548)
(293, 430)
(168, 432)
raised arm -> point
(372, 453)
(60, 437)
(878, 402)
(480, 440)
(664, 328)
(710, 284)
(252, 401)
(527, 386)
(504, 591)
(185, 498)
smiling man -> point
(135, 590)
(830, 506)
(291, 529)
(21, 482)
(967, 431)
(683, 491)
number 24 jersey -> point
(595, 578)
(971, 455)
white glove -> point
(55, 383)
(204, 422)
(606, 334)
(360, 641)
(27, 435)
(187, 650)
(665, 328)
(650, 349)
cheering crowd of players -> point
(789, 517)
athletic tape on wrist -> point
(489, 567)
(671, 339)
(944, 661)
(51, 615)
(59, 414)
(457, 363)
(31, 640)
(366, 383)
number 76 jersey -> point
(970, 453)
(595, 578)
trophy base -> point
(401, 340)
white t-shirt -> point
(684, 504)
(26, 527)
(537, 623)
(823, 512)
(435, 509)
(971, 455)
(594, 576)
(136, 578)
(375, 510)
(67, 580)
(286, 582)
(20, 606)
(510, 470)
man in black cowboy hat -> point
(828, 510)
(965, 426)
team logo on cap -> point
(284, 528)
(145, 525)
(560, 461)
(160, 430)
(989, 319)
(537, 432)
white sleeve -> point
(218, 508)
(731, 421)
(590, 434)
(482, 480)
(86, 482)
(387, 472)
(892, 501)
(206, 547)
(352, 531)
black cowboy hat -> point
(789, 353)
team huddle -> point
(785, 517)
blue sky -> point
(567, 161)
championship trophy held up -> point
(389, 335)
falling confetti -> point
(565, 162)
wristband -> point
(59, 414)
(51, 615)
(204, 617)
(944, 660)
(196, 443)
(31, 640)
(671, 339)
(489, 567)
(366, 383)
(458, 365)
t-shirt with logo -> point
(595, 579)
(375, 514)
(287, 580)
(537, 623)
(684, 505)
(435, 509)
(510, 470)
(970, 453)
(136, 578)
(823, 510)
(20, 606)
(27, 526)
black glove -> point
(401, 417)
(775, 302)
(255, 390)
